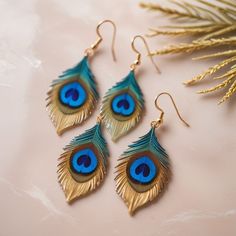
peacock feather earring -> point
(144, 169)
(73, 95)
(123, 104)
(83, 164)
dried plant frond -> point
(213, 25)
(195, 46)
(227, 74)
(230, 92)
(224, 53)
(187, 11)
(220, 32)
(219, 86)
(210, 71)
(190, 31)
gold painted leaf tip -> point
(131, 212)
(188, 82)
(59, 132)
(69, 199)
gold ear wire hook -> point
(138, 59)
(160, 120)
(99, 39)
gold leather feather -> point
(82, 166)
(122, 107)
(143, 172)
(76, 84)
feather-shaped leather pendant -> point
(72, 97)
(122, 106)
(143, 172)
(82, 166)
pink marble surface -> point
(38, 40)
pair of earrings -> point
(73, 95)
(142, 173)
(143, 170)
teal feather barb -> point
(72, 97)
(122, 106)
(83, 164)
(143, 171)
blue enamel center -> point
(123, 104)
(143, 170)
(84, 161)
(72, 94)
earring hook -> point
(160, 120)
(100, 38)
(138, 58)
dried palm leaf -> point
(211, 25)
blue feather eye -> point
(83, 165)
(123, 104)
(84, 161)
(72, 95)
(143, 170)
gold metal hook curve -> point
(99, 40)
(160, 120)
(138, 58)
